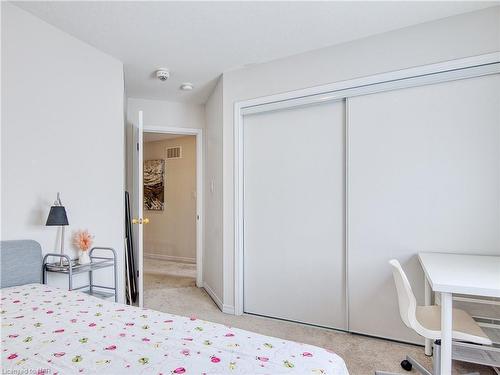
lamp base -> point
(63, 261)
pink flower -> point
(12, 356)
(263, 359)
(229, 334)
(73, 320)
(13, 336)
(92, 325)
(111, 347)
(16, 301)
(214, 359)
(83, 240)
(192, 318)
(60, 354)
(145, 339)
(122, 335)
(179, 370)
(307, 354)
(50, 312)
(185, 352)
(59, 330)
(129, 324)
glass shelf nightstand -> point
(72, 267)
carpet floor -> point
(170, 287)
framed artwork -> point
(154, 185)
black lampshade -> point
(57, 216)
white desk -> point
(461, 274)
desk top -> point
(477, 275)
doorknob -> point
(140, 221)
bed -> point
(56, 331)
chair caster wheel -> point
(406, 365)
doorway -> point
(170, 207)
(170, 226)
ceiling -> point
(198, 41)
(152, 137)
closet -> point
(294, 214)
(334, 186)
(424, 175)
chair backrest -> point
(406, 298)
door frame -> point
(199, 199)
(451, 70)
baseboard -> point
(214, 296)
(171, 258)
(228, 309)
(222, 307)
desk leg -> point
(446, 332)
(428, 302)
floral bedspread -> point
(51, 331)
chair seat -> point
(464, 327)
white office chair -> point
(426, 321)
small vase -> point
(83, 257)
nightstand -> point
(72, 268)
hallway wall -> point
(171, 233)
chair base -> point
(411, 362)
(408, 364)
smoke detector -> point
(187, 86)
(162, 74)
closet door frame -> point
(452, 70)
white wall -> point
(160, 113)
(212, 258)
(61, 131)
(171, 232)
(450, 38)
(166, 113)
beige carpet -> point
(170, 287)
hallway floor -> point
(171, 287)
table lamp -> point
(57, 217)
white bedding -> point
(61, 332)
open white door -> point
(137, 205)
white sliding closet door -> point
(294, 265)
(424, 176)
